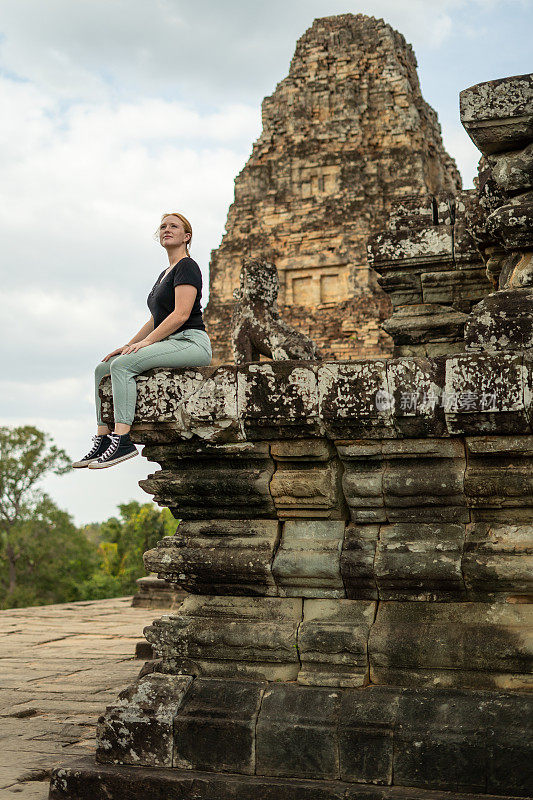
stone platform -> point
(59, 665)
(356, 538)
(84, 781)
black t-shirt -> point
(161, 300)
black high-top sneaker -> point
(120, 449)
(100, 445)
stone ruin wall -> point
(346, 135)
(360, 611)
(359, 618)
(428, 262)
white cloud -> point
(82, 189)
(203, 51)
(440, 29)
(63, 333)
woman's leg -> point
(101, 441)
(103, 368)
(186, 349)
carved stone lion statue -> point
(256, 324)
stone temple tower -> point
(346, 135)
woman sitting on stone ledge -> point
(174, 336)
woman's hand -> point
(133, 348)
(114, 353)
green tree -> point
(144, 526)
(26, 456)
(44, 557)
(53, 559)
(122, 544)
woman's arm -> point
(184, 297)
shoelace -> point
(113, 447)
(97, 440)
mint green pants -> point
(190, 348)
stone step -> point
(84, 780)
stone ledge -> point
(332, 642)
(412, 561)
(394, 398)
(83, 780)
(379, 735)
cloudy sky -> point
(112, 111)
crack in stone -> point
(297, 638)
(368, 641)
(263, 692)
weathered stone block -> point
(403, 288)
(278, 399)
(502, 321)
(217, 482)
(252, 637)
(362, 480)
(464, 741)
(455, 286)
(497, 115)
(307, 562)
(512, 223)
(430, 349)
(423, 481)
(452, 644)
(424, 324)
(332, 642)
(404, 480)
(214, 729)
(160, 393)
(171, 454)
(219, 557)
(296, 732)
(430, 266)
(416, 385)
(302, 450)
(440, 741)
(138, 728)
(513, 171)
(416, 249)
(85, 781)
(498, 561)
(308, 490)
(367, 725)
(355, 400)
(154, 592)
(487, 394)
(357, 561)
(210, 412)
(499, 479)
(509, 762)
(420, 561)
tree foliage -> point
(26, 456)
(122, 543)
(52, 557)
(44, 557)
